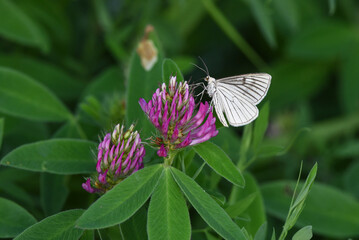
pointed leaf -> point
(168, 216)
(219, 162)
(142, 83)
(273, 235)
(59, 226)
(335, 217)
(261, 233)
(14, 219)
(121, 202)
(307, 186)
(21, 96)
(209, 210)
(61, 156)
(304, 233)
(170, 68)
(260, 127)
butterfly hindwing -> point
(238, 110)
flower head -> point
(172, 111)
(119, 155)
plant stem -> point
(169, 159)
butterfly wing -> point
(238, 96)
(238, 110)
(252, 87)
(218, 105)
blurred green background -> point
(81, 51)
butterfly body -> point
(235, 98)
(211, 86)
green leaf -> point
(14, 219)
(351, 177)
(61, 83)
(88, 235)
(291, 76)
(306, 187)
(59, 226)
(21, 96)
(268, 150)
(107, 82)
(288, 13)
(168, 216)
(332, 6)
(229, 141)
(210, 236)
(219, 162)
(335, 217)
(304, 233)
(261, 13)
(232, 33)
(29, 131)
(245, 145)
(170, 68)
(239, 207)
(330, 129)
(61, 156)
(273, 235)
(348, 82)
(70, 129)
(17, 26)
(121, 202)
(256, 210)
(135, 227)
(260, 126)
(184, 62)
(17, 193)
(321, 40)
(261, 233)
(2, 120)
(53, 192)
(207, 208)
(148, 80)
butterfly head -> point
(209, 79)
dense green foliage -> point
(69, 71)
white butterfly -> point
(238, 96)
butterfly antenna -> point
(199, 67)
(204, 65)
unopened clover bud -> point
(119, 155)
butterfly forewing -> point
(253, 87)
(238, 96)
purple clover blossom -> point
(173, 113)
(119, 155)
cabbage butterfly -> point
(237, 96)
